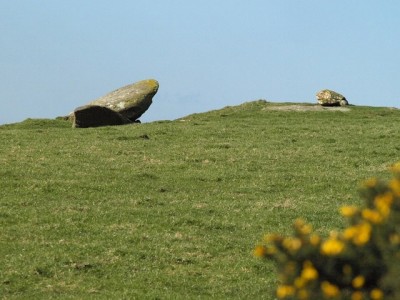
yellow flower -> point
(309, 272)
(332, 247)
(386, 198)
(364, 234)
(350, 232)
(329, 290)
(259, 251)
(271, 238)
(357, 296)
(359, 234)
(299, 222)
(372, 215)
(383, 203)
(302, 227)
(348, 211)
(284, 291)
(314, 240)
(300, 282)
(358, 282)
(376, 294)
(292, 244)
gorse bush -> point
(360, 262)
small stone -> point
(331, 98)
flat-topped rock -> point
(130, 101)
(122, 106)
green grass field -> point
(173, 209)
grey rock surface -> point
(122, 106)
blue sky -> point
(56, 55)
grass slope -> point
(173, 209)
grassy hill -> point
(173, 209)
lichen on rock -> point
(331, 98)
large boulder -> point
(122, 106)
(331, 98)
